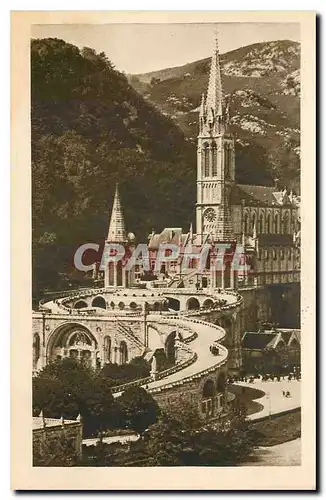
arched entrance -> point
(173, 304)
(99, 302)
(72, 340)
(208, 303)
(192, 304)
(80, 304)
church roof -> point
(255, 340)
(264, 195)
(172, 235)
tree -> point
(56, 452)
(139, 408)
(177, 441)
(68, 388)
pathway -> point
(273, 400)
(285, 454)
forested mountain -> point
(90, 129)
(263, 83)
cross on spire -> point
(214, 100)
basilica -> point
(263, 220)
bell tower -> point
(215, 159)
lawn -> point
(279, 429)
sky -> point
(140, 48)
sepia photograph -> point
(166, 231)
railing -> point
(127, 331)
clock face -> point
(210, 214)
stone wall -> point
(47, 440)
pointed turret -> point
(117, 232)
(214, 102)
(202, 106)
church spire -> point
(117, 232)
(214, 102)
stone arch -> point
(107, 349)
(123, 352)
(221, 382)
(154, 338)
(208, 389)
(208, 303)
(192, 303)
(173, 304)
(64, 341)
(99, 301)
(80, 304)
(36, 349)
(170, 348)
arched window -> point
(123, 353)
(268, 223)
(214, 160)
(253, 221)
(261, 224)
(206, 160)
(107, 349)
(276, 224)
(36, 349)
(208, 389)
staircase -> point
(184, 279)
(127, 331)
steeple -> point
(117, 232)
(214, 102)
